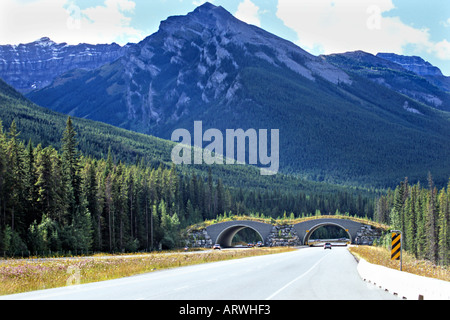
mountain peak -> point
(207, 6)
(45, 42)
(209, 9)
(43, 39)
(205, 17)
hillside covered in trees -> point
(67, 202)
(423, 216)
(61, 201)
(61, 190)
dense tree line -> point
(61, 200)
(423, 216)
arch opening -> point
(246, 237)
(327, 232)
(238, 235)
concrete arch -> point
(308, 234)
(283, 235)
(223, 233)
(225, 238)
(306, 228)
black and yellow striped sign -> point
(396, 246)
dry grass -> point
(22, 275)
(382, 256)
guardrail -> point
(404, 284)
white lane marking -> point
(296, 279)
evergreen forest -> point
(62, 201)
(422, 214)
(74, 186)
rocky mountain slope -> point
(412, 63)
(192, 62)
(35, 65)
(411, 76)
(420, 67)
(336, 124)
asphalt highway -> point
(304, 274)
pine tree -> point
(209, 196)
(158, 233)
(397, 212)
(411, 221)
(166, 226)
(109, 212)
(220, 198)
(109, 163)
(147, 210)
(382, 210)
(44, 184)
(71, 167)
(121, 206)
(443, 233)
(3, 170)
(15, 179)
(421, 236)
(80, 219)
(31, 191)
(82, 231)
(91, 194)
(431, 224)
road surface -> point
(309, 273)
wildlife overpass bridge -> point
(282, 235)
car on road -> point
(217, 246)
(327, 246)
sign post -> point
(397, 246)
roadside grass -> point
(382, 256)
(23, 275)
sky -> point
(408, 27)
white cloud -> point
(445, 23)
(442, 50)
(28, 21)
(63, 21)
(327, 26)
(248, 12)
(110, 22)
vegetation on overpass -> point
(285, 220)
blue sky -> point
(410, 27)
